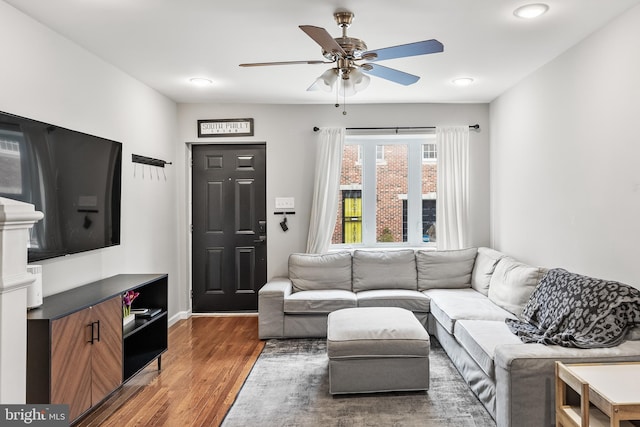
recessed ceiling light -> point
(462, 81)
(200, 81)
(531, 11)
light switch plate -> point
(285, 202)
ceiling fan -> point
(348, 52)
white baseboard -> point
(181, 315)
(224, 314)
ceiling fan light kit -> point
(348, 75)
(326, 81)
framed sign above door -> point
(225, 127)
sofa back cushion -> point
(445, 269)
(512, 283)
(313, 272)
(486, 262)
(384, 270)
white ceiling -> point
(163, 43)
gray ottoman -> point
(376, 349)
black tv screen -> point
(71, 177)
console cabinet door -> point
(106, 355)
(71, 362)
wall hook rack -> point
(135, 158)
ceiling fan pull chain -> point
(344, 100)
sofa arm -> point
(271, 307)
(525, 378)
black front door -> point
(229, 227)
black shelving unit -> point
(145, 339)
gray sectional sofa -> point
(461, 297)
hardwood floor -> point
(206, 364)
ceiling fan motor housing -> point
(354, 47)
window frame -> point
(369, 161)
(379, 155)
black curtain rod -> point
(397, 128)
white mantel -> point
(16, 218)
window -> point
(429, 153)
(428, 220)
(387, 191)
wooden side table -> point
(609, 394)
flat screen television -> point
(73, 178)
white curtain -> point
(452, 206)
(324, 208)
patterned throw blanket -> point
(571, 310)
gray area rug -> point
(289, 386)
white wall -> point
(565, 159)
(47, 78)
(290, 141)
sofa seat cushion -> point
(317, 302)
(395, 269)
(313, 272)
(403, 298)
(449, 305)
(445, 269)
(480, 339)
